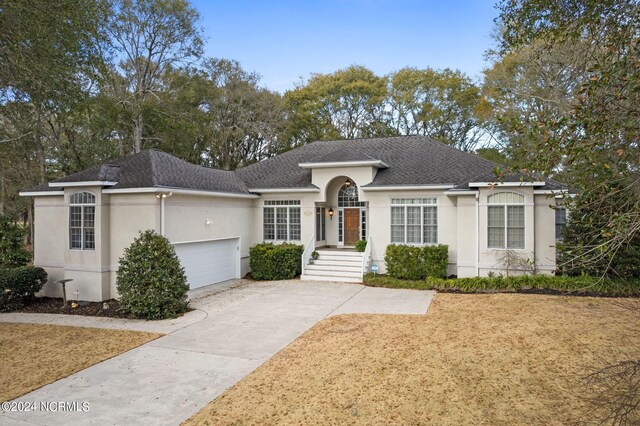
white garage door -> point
(208, 262)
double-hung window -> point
(505, 228)
(82, 216)
(414, 220)
(281, 220)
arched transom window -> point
(82, 216)
(506, 224)
(348, 196)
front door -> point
(351, 226)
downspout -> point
(478, 234)
(162, 196)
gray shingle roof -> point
(412, 160)
(157, 169)
(346, 154)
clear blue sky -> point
(285, 40)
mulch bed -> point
(50, 305)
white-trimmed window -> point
(281, 220)
(82, 217)
(414, 221)
(321, 224)
(561, 222)
(505, 212)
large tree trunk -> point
(137, 132)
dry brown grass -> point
(474, 359)
(33, 355)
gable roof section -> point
(156, 169)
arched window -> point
(82, 216)
(348, 196)
(505, 213)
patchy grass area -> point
(33, 355)
(473, 359)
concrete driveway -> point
(236, 327)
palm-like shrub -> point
(151, 282)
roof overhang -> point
(506, 184)
(158, 190)
(279, 190)
(85, 183)
(39, 193)
(407, 187)
(556, 192)
(331, 164)
(455, 193)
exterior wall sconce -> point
(208, 222)
(347, 183)
(331, 213)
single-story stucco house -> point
(403, 190)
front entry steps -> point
(335, 265)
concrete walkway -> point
(236, 327)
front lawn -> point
(33, 355)
(473, 359)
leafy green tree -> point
(445, 105)
(244, 119)
(531, 85)
(12, 250)
(150, 36)
(344, 105)
(150, 280)
(493, 154)
(597, 137)
(583, 251)
(51, 52)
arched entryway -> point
(352, 215)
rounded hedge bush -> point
(151, 282)
(18, 286)
(275, 261)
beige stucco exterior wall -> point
(307, 214)
(49, 246)
(89, 269)
(466, 236)
(119, 218)
(129, 214)
(545, 234)
(490, 259)
(323, 177)
(380, 222)
(198, 218)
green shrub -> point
(361, 245)
(18, 286)
(275, 262)
(416, 263)
(436, 260)
(12, 251)
(151, 282)
(521, 283)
